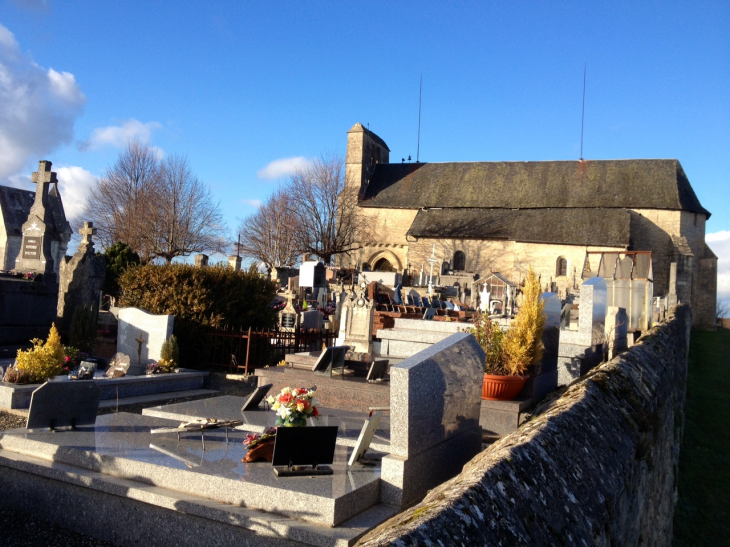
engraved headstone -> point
(331, 358)
(359, 313)
(288, 317)
(153, 329)
(46, 233)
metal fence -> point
(247, 349)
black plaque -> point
(252, 403)
(313, 447)
(377, 370)
(331, 358)
(288, 320)
(63, 404)
(32, 248)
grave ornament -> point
(118, 366)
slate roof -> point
(631, 184)
(15, 205)
(577, 226)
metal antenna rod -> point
(583, 114)
(420, 95)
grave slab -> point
(121, 445)
(228, 407)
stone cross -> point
(139, 341)
(431, 260)
(87, 231)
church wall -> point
(510, 258)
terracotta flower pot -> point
(264, 450)
(502, 388)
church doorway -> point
(383, 265)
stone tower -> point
(364, 151)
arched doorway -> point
(383, 265)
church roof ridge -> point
(626, 183)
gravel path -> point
(21, 529)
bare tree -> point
(159, 209)
(185, 219)
(325, 210)
(121, 203)
(270, 235)
(722, 309)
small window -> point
(561, 268)
(459, 261)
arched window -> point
(459, 261)
(561, 267)
(383, 265)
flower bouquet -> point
(293, 406)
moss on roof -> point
(576, 226)
(632, 184)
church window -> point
(459, 261)
(561, 268)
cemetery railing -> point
(248, 349)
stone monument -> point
(46, 233)
(288, 317)
(356, 325)
(81, 279)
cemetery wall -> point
(596, 465)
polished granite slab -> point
(228, 407)
(121, 445)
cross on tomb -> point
(44, 175)
(87, 231)
(139, 341)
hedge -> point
(199, 298)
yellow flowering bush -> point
(42, 361)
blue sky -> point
(248, 90)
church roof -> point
(360, 127)
(14, 207)
(579, 226)
(631, 184)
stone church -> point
(483, 217)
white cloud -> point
(252, 202)
(719, 242)
(119, 135)
(38, 107)
(74, 184)
(283, 167)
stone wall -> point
(596, 465)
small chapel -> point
(479, 218)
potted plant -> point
(510, 354)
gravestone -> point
(81, 279)
(578, 351)
(311, 319)
(234, 262)
(63, 404)
(312, 275)
(484, 300)
(616, 329)
(435, 400)
(397, 297)
(552, 309)
(429, 314)
(289, 317)
(357, 322)
(135, 325)
(46, 233)
(201, 260)
(339, 295)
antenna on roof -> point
(583, 114)
(420, 94)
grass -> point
(702, 515)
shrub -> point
(490, 337)
(118, 258)
(83, 331)
(42, 361)
(523, 341)
(199, 298)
